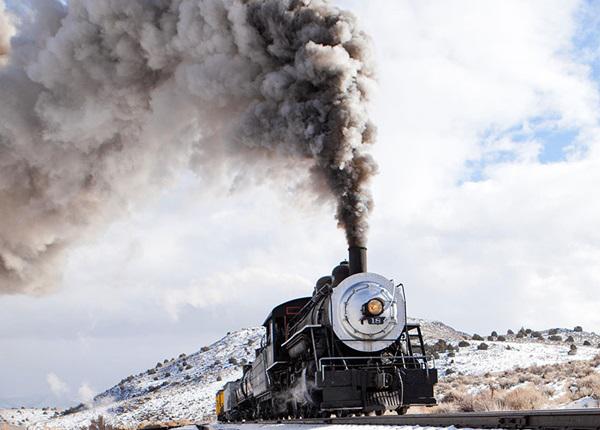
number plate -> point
(376, 320)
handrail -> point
(299, 332)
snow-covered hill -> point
(25, 417)
(182, 390)
(178, 390)
(434, 330)
(514, 350)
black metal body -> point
(303, 370)
(334, 380)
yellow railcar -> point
(220, 403)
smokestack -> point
(357, 259)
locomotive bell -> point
(357, 263)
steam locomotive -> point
(345, 350)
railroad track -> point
(565, 419)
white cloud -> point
(86, 393)
(58, 387)
(517, 247)
(239, 290)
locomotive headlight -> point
(374, 307)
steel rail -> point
(561, 419)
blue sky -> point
(489, 164)
(555, 144)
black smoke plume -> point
(101, 100)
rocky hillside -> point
(434, 330)
(181, 389)
(526, 369)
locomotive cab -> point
(277, 328)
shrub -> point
(572, 350)
(453, 395)
(587, 343)
(232, 360)
(510, 332)
(188, 367)
(463, 344)
(482, 346)
(476, 337)
(187, 377)
(450, 371)
(589, 386)
(151, 372)
(501, 339)
(520, 335)
(528, 331)
(167, 374)
(182, 355)
(524, 398)
(578, 328)
(165, 361)
(483, 401)
(204, 349)
(553, 331)
(219, 378)
(555, 338)
(536, 334)
(80, 407)
(494, 333)
(490, 338)
(451, 354)
(569, 339)
(159, 364)
(465, 403)
(440, 346)
(100, 424)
